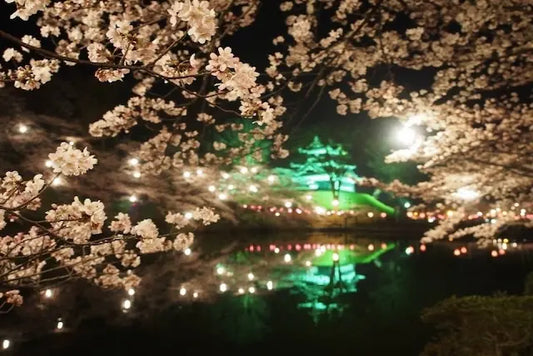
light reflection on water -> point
(322, 269)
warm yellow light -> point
(308, 263)
(240, 290)
(49, 163)
(370, 247)
(183, 291)
(48, 293)
(136, 174)
(195, 295)
(132, 198)
(57, 181)
(370, 214)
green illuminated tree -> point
(330, 160)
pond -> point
(316, 293)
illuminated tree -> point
(475, 57)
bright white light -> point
(271, 179)
(231, 187)
(287, 258)
(23, 128)
(6, 343)
(48, 293)
(243, 170)
(195, 295)
(186, 174)
(406, 205)
(251, 276)
(371, 247)
(335, 257)
(225, 175)
(187, 251)
(183, 291)
(49, 163)
(270, 285)
(466, 193)
(276, 250)
(59, 325)
(320, 210)
(211, 188)
(223, 287)
(406, 135)
(254, 170)
(335, 202)
(409, 250)
(199, 172)
(221, 270)
(222, 196)
(57, 181)
(308, 263)
(308, 197)
(241, 290)
(132, 198)
(318, 252)
(252, 189)
(188, 215)
(126, 304)
(370, 214)
(288, 204)
(71, 143)
(131, 291)
(133, 161)
(136, 174)
(251, 290)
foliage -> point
(476, 325)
